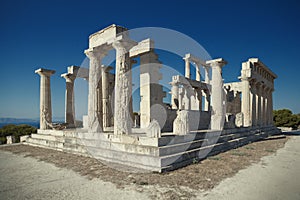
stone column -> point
(132, 62)
(253, 103)
(198, 72)
(258, 103)
(206, 74)
(180, 98)
(122, 118)
(187, 68)
(45, 98)
(246, 101)
(207, 100)
(207, 93)
(263, 106)
(187, 97)
(95, 114)
(151, 92)
(199, 97)
(217, 94)
(174, 95)
(271, 107)
(69, 100)
(107, 112)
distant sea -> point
(35, 124)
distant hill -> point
(16, 120)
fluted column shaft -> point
(217, 95)
(123, 88)
(45, 98)
(187, 68)
(198, 73)
(246, 102)
(69, 100)
(253, 103)
(107, 112)
(259, 105)
(174, 95)
(95, 90)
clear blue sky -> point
(53, 34)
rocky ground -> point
(184, 183)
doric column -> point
(207, 100)
(180, 98)
(198, 72)
(132, 62)
(174, 95)
(187, 68)
(217, 94)
(271, 106)
(246, 97)
(258, 103)
(206, 74)
(95, 87)
(151, 91)
(122, 122)
(199, 97)
(267, 106)
(69, 100)
(187, 97)
(107, 111)
(253, 103)
(246, 101)
(263, 105)
(45, 98)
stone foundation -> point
(154, 154)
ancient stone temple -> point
(205, 117)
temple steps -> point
(154, 154)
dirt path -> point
(36, 173)
(275, 177)
(27, 178)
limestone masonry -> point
(204, 117)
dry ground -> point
(181, 183)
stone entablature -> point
(255, 70)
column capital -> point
(44, 72)
(219, 62)
(124, 44)
(96, 52)
(69, 77)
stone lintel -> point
(186, 81)
(45, 72)
(195, 60)
(235, 86)
(107, 34)
(143, 46)
(220, 61)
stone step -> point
(117, 146)
(70, 140)
(175, 161)
(68, 147)
(186, 146)
(143, 161)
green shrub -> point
(16, 130)
(285, 118)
